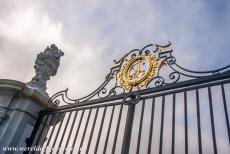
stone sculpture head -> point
(46, 65)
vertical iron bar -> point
(40, 134)
(64, 130)
(186, 122)
(117, 129)
(100, 129)
(35, 131)
(55, 139)
(198, 121)
(92, 130)
(71, 129)
(225, 111)
(128, 129)
(140, 127)
(162, 124)
(173, 122)
(212, 120)
(78, 128)
(108, 132)
(86, 126)
(53, 131)
(151, 126)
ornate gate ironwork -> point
(147, 104)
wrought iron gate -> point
(147, 104)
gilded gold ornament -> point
(137, 71)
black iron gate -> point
(142, 111)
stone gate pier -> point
(20, 103)
(19, 110)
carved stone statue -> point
(46, 65)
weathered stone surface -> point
(4, 104)
(46, 65)
(21, 103)
(19, 110)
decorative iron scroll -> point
(149, 67)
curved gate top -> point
(149, 67)
(147, 104)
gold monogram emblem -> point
(137, 71)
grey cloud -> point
(109, 29)
(93, 33)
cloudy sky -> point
(92, 33)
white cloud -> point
(22, 32)
(93, 33)
(30, 25)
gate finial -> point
(46, 65)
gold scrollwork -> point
(137, 71)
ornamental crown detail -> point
(137, 71)
(138, 67)
(46, 65)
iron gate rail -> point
(191, 116)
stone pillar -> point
(20, 103)
(19, 108)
